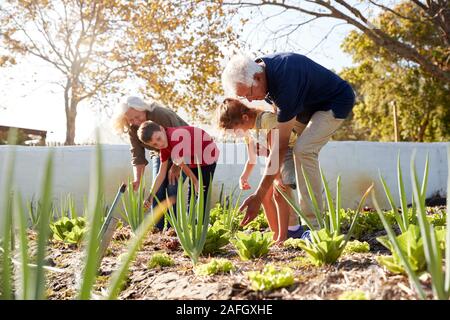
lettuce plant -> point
(411, 245)
(271, 278)
(324, 247)
(327, 243)
(160, 260)
(292, 243)
(367, 223)
(227, 212)
(252, 245)
(69, 230)
(216, 238)
(215, 266)
(257, 224)
(438, 269)
(353, 295)
(29, 278)
(356, 246)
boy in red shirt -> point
(187, 147)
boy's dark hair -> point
(147, 129)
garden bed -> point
(354, 272)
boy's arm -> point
(188, 172)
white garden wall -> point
(358, 163)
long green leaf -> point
(447, 247)
(402, 193)
(183, 215)
(338, 205)
(312, 196)
(397, 217)
(331, 209)
(95, 211)
(393, 239)
(25, 288)
(206, 219)
(358, 211)
(43, 227)
(200, 210)
(118, 276)
(297, 210)
(6, 220)
(423, 189)
(434, 266)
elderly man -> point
(309, 99)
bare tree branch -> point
(436, 9)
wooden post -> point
(396, 133)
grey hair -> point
(119, 121)
(240, 69)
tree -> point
(73, 36)
(97, 44)
(423, 101)
(433, 60)
(176, 47)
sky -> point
(29, 97)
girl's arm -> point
(277, 181)
(157, 183)
(249, 165)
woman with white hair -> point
(309, 99)
(129, 115)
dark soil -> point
(352, 272)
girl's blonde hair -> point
(231, 111)
(119, 121)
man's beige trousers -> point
(312, 137)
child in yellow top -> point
(256, 126)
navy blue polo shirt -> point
(299, 87)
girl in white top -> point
(256, 126)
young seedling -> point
(217, 237)
(215, 266)
(160, 260)
(254, 245)
(271, 278)
(327, 243)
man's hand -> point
(252, 204)
(174, 174)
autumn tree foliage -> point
(174, 46)
(382, 79)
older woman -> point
(129, 115)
